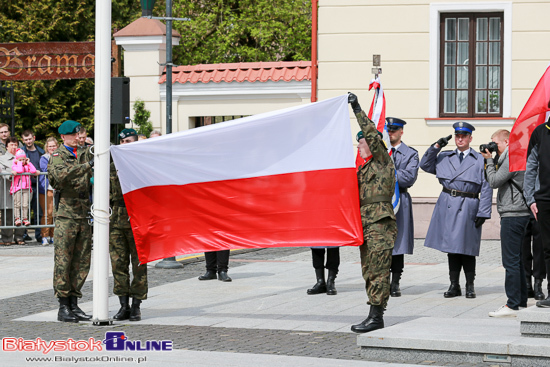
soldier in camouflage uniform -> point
(70, 170)
(376, 178)
(122, 249)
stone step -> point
(494, 342)
(535, 322)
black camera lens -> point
(491, 147)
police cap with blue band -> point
(393, 123)
(463, 128)
(69, 127)
(126, 133)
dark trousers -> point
(36, 212)
(333, 258)
(512, 231)
(543, 218)
(397, 263)
(532, 252)
(217, 261)
(460, 261)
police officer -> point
(122, 249)
(406, 160)
(376, 178)
(462, 207)
(70, 170)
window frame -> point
(473, 18)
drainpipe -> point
(314, 11)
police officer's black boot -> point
(65, 314)
(537, 288)
(454, 288)
(124, 312)
(73, 300)
(135, 312)
(375, 321)
(331, 286)
(395, 291)
(320, 286)
(530, 291)
(470, 291)
(209, 275)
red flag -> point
(532, 115)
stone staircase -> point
(523, 341)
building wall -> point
(352, 31)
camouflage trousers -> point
(73, 252)
(122, 249)
(379, 238)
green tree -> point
(141, 118)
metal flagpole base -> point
(102, 322)
(169, 263)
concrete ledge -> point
(535, 322)
(535, 314)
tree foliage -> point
(219, 31)
(141, 118)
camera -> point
(491, 147)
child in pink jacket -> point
(21, 187)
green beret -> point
(126, 133)
(69, 127)
(361, 136)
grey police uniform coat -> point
(406, 166)
(452, 228)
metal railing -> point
(6, 198)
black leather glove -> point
(91, 162)
(443, 141)
(479, 221)
(352, 99)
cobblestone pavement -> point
(335, 345)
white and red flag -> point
(278, 179)
(534, 113)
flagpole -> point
(100, 210)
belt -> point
(403, 189)
(376, 199)
(461, 193)
(74, 195)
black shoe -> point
(124, 312)
(209, 275)
(77, 311)
(320, 286)
(135, 312)
(454, 291)
(331, 283)
(222, 276)
(375, 321)
(65, 314)
(26, 237)
(537, 288)
(470, 291)
(395, 291)
(545, 303)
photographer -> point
(514, 217)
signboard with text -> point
(47, 60)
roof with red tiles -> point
(241, 72)
(145, 27)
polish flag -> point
(534, 113)
(278, 179)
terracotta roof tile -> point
(145, 27)
(241, 72)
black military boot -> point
(395, 291)
(209, 275)
(222, 275)
(454, 289)
(135, 312)
(73, 300)
(320, 286)
(375, 321)
(537, 288)
(470, 291)
(124, 312)
(65, 314)
(331, 286)
(530, 291)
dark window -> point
(210, 120)
(471, 65)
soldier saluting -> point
(462, 207)
(376, 178)
(70, 170)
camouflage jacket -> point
(376, 177)
(119, 218)
(70, 176)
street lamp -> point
(147, 7)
